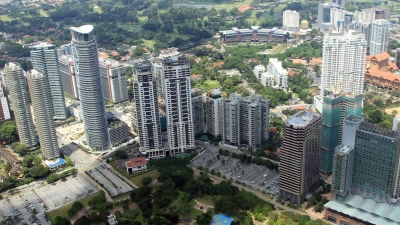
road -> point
(216, 149)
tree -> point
(52, 178)
(120, 154)
(146, 181)
(319, 207)
(375, 116)
(21, 149)
(61, 221)
(8, 131)
(38, 171)
(271, 11)
(129, 71)
(394, 112)
(203, 219)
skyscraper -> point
(113, 77)
(146, 111)
(301, 150)
(16, 84)
(344, 62)
(44, 58)
(379, 36)
(339, 2)
(86, 61)
(178, 104)
(328, 15)
(376, 163)
(39, 89)
(4, 108)
(343, 159)
(214, 112)
(336, 107)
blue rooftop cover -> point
(59, 162)
(220, 219)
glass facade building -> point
(336, 107)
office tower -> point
(16, 84)
(4, 108)
(44, 58)
(343, 159)
(178, 104)
(113, 78)
(339, 2)
(87, 70)
(246, 121)
(198, 110)
(214, 112)
(68, 76)
(301, 149)
(336, 107)
(146, 111)
(364, 27)
(328, 15)
(39, 88)
(344, 62)
(376, 163)
(291, 20)
(379, 36)
(341, 177)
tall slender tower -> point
(379, 36)
(44, 58)
(39, 89)
(301, 149)
(343, 64)
(16, 85)
(146, 111)
(86, 61)
(178, 104)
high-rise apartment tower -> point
(16, 85)
(178, 104)
(44, 58)
(146, 111)
(344, 62)
(379, 38)
(39, 89)
(86, 61)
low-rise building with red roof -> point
(380, 72)
(136, 165)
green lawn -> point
(62, 211)
(278, 49)
(43, 13)
(97, 9)
(230, 6)
(138, 178)
(206, 200)
(5, 18)
(210, 84)
(192, 213)
(148, 43)
(2, 170)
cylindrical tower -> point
(17, 88)
(86, 61)
(42, 103)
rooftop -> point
(301, 118)
(367, 210)
(343, 149)
(143, 64)
(371, 128)
(85, 29)
(135, 162)
(354, 118)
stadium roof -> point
(367, 210)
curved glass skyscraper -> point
(86, 61)
(42, 103)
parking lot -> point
(109, 180)
(47, 197)
(258, 177)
